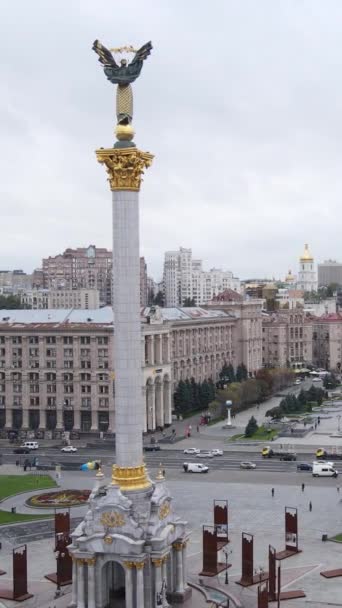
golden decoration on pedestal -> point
(130, 478)
(164, 510)
(112, 519)
(125, 166)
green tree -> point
(302, 398)
(212, 391)
(182, 397)
(158, 300)
(205, 394)
(189, 302)
(10, 302)
(224, 373)
(195, 394)
(241, 373)
(251, 427)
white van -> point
(195, 467)
(31, 445)
(323, 470)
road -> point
(170, 459)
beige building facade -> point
(56, 371)
(56, 366)
(61, 298)
(286, 339)
(327, 341)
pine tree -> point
(231, 373)
(212, 392)
(251, 427)
(204, 394)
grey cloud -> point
(240, 102)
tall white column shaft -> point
(91, 586)
(80, 586)
(127, 329)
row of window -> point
(53, 339)
(103, 402)
(51, 376)
(103, 389)
(52, 364)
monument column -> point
(125, 165)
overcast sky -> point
(240, 101)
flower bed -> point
(60, 499)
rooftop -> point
(99, 316)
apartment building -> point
(184, 278)
(85, 268)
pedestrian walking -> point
(338, 489)
(272, 492)
(198, 428)
(163, 472)
(310, 506)
(303, 487)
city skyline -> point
(270, 125)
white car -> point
(217, 452)
(69, 448)
(205, 454)
(247, 465)
(195, 467)
(316, 379)
(191, 451)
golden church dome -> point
(306, 257)
(289, 277)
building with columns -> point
(307, 276)
(57, 371)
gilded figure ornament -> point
(112, 519)
(108, 539)
(164, 510)
(123, 75)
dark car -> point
(154, 447)
(21, 450)
(288, 457)
(304, 466)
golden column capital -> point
(130, 478)
(178, 546)
(139, 565)
(125, 166)
(129, 565)
(157, 561)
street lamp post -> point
(229, 419)
(227, 554)
(339, 423)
